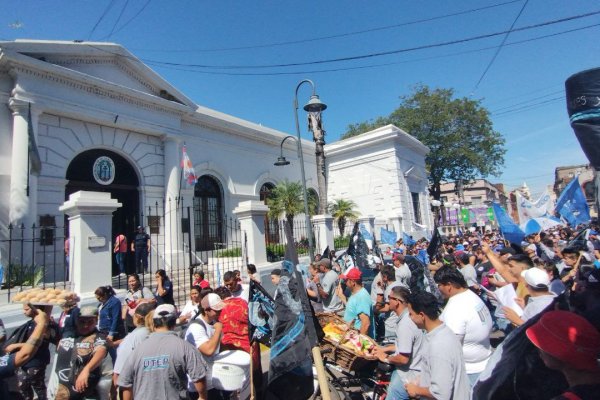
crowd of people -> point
(139, 347)
(434, 317)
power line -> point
(118, 18)
(108, 7)
(275, 44)
(149, 62)
(500, 47)
(384, 53)
(129, 20)
(530, 107)
(527, 101)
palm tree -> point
(287, 200)
(343, 210)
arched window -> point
(208, 213)
(271, 224)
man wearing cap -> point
(160, 365)
(205, 334)
(327, 286)
(359, 307)
(570, 344)
(141, 247)
(79, 359)
(540, 297)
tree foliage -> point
(458, 131)
(343, 210)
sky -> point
(234, 57)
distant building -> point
(524, 191)
(475, 196)
(564, 175)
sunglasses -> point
(395, 298)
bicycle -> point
(353, 385)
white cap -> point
(165, 311)
(212, 301)
(536, 277)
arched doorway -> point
(208, 213)
(271, 224)
(106, 171)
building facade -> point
(105, 122)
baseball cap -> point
(353, 274)
(536, 277)
(88, 312)
(212, 301)
(165, 311)
(140, 227)
(326, 262)
(567, 337)
(507, 250)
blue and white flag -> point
(572, 205)
(509, 229)
(408, 240)
(388, 237)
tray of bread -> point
(46, 297)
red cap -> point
(353, 274)
(567, 337)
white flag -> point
(528, 209)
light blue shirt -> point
(360, 303)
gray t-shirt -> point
(470, 275)
(131, 341)
(403, 274)
(159, 367)
(329, 283)
(536, 305)
(2, 330)
(443, 369)
(409, 340)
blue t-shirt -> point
(7, 369)
(360, 303)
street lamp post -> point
(281, 161)
(314, 107)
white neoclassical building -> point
(104, 121)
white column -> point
(368, 222)
(90, 224)
(397, 224)
(323, 232)
(172, 215)
(23, 208)
(251, 215)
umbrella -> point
(535, 225)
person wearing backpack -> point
(32, 375)
(205, 334)
(19, 355)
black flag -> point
(434, 244)
(294, 335)
(261, 311)
(35, 162)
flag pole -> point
(180, 179)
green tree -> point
(286, 200)
(458, 131)
(343, 210)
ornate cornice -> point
(96, 90)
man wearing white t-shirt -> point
(205, 334)
(468, 317)
(402, 270)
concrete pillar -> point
(368, 222)
(397, 224)
(172, 216)
(323, 232)
(23, 207)
(90, 224)
(251, 215)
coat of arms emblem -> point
(104, 170)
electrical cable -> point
(118, 18)
(333, 36)
(129, 20)
(384, 53)
(106, 10)
(500, 47)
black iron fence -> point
(33, 256)
(37, 256)
(276, 240)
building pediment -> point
(105, 62)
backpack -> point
(193, 320)
(20, 335)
